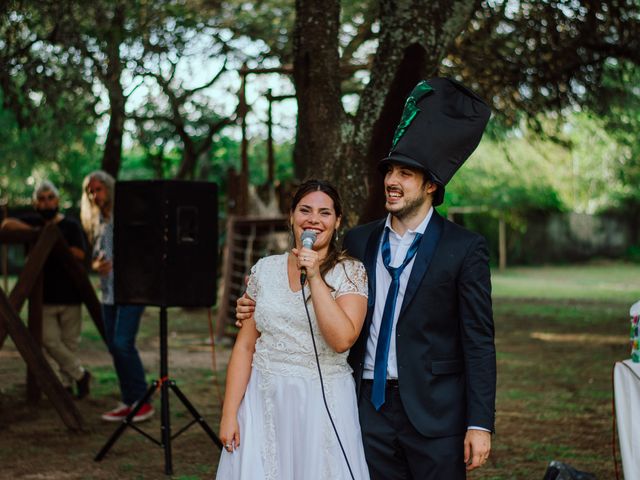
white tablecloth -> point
(626, 389)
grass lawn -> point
(618, 282)
(559, 331)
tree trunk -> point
(193, 150)
(317, 79)
(411, 47)
(189, 157)
(414, 37)
(112, 157)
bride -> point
(274, 423)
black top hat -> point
(441, 126)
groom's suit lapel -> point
(370, 259)
(424, 256)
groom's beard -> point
(410, 208)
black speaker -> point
(165, 243)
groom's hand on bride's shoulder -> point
(245, 307)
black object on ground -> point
(562, 471)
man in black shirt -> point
(61, 313)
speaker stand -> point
(164, 383)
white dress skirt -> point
(285, 432)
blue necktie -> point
(384, 336)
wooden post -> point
(5, 266)
(33, 266)
(5, 254)
(3, 333)
(32, 355)
(35, 329)
(50, 241)
(502, 243)
(223, 302)
(28, 341)
(29, 275)
(244, 145)
(270, 158)
(236, 193)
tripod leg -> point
(194, 413)
(166, 427)
(164, 393)
(125, 423)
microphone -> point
(308, 238)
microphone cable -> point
(324, 398)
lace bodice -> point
(284, 346)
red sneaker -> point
(145, 413)
(117, 414)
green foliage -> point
(268, 22)
(633, 253)
(593, 177)
(62, 153)
(534, 56)
(137, 164)
(224, 155)
(618, 107)
(57, 62)
(577, 164)
(514, 176)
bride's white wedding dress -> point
(285, 433)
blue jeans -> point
(121, 324)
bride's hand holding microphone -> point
(307, 260)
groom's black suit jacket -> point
(444, 336)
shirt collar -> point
(419, 229)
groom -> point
(425, 363)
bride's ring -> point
(227, 445)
